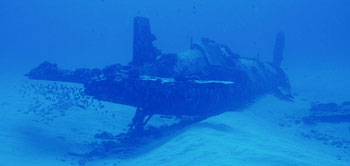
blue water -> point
(97, 33)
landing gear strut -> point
(141, 118)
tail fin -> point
(278, 50)
(143, 49)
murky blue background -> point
(93, 33)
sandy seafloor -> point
(263, 134)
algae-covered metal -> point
(205, 80)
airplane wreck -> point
(204, 81)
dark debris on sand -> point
(330, 114)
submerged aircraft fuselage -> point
(205, 80)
